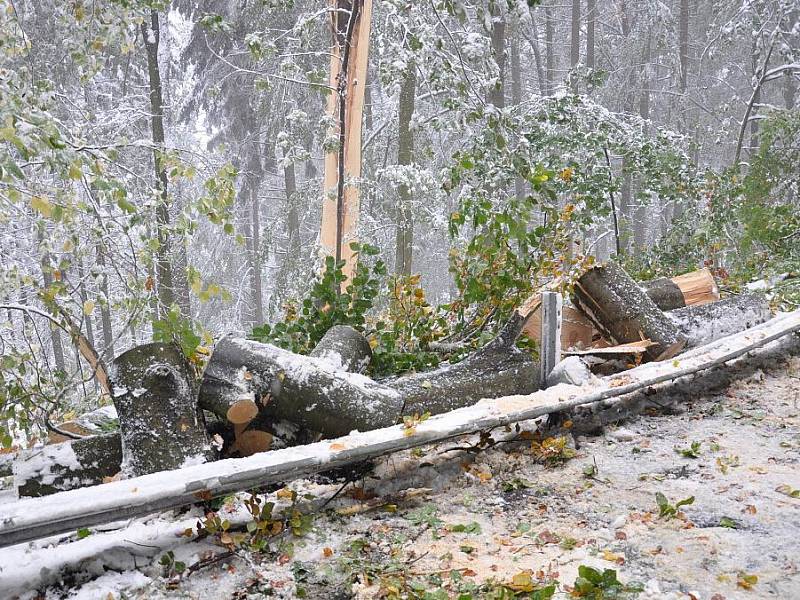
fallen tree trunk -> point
(345, 348)
(310, 392)
(705, 323)
(622, 311)
(314, 394)
(68, 465)
(160, 424)
(65, 512)
(697, 287)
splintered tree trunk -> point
(66, 466)
(624, 312)
(708, 322)
(155, 399)
(351, 22)
(312, 393)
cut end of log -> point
(251, 442)
(242, 412)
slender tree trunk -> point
(107, 351)
(549, 54)
(683, 41)
(641, 211)
(255, 275)
(537, 56)
(575, 36)
(404, 242)
(516, 93)
(150, 34)
(497, 95)
(292, 218)
(591, 19)
(87, 318)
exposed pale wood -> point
(65, 512)
(355, 85)
(550, 350)
(698, 287)
(576, 330)
(622, 311)
(632, 348)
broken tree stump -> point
(68, 465)
(697, 287)
(705, 323)
(550, 352)
(622, 311)
(155, 398)
(310, 392)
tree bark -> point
(575, 35)
(497, 95)
(315, 395)
(150, 35)
(708, 322)
(344, 348)
(155, 397)
(66, 466)
(622, 311)
(550, 68)
(404, 236)
(591, 20)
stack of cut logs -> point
(251, 394)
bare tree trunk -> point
(105, 309)
(591, 19)
(257, 289)
(537, 56)
(549, 55)
(683, 41)
(404, 238)
(575, 36)
(497, 95)
(150, 35)
(641, 211)
(292, 217)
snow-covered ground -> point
(500, 513)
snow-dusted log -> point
(311, 392)
(697, 287)
(622, 311)
(156, 404)
(68, 465)
(345, 348)
(708, 322)
(67, 511)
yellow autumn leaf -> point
(41, 205)
(88, 307)
(522, 582)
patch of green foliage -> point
(748, 224)
(600, 585)
(667, 510)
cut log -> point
(697, 287)
(68, 465)
(708, 322)
(34, 518)
(345, 348)
(310, 392)
(154, 393)
(576, 330)
(622, 311)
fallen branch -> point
(67, 511)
